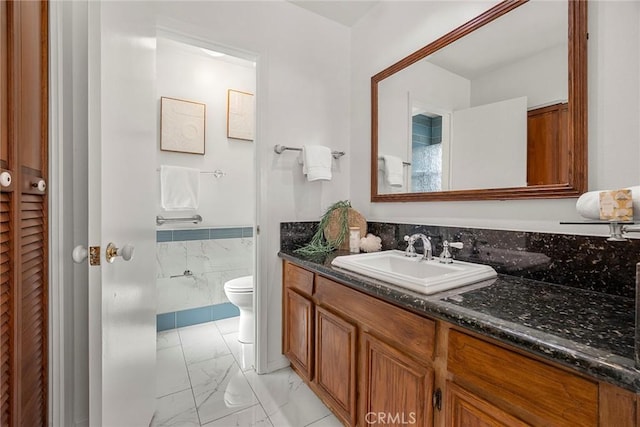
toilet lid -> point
(241, 284)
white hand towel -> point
(588, 205)
(393, 170)
(179, 188)
(316, 162)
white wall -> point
(302, 97)
(614, 111)
(489, 146)
(186, 72)
(539, 77)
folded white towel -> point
(588, 205)
(316, 162)
(393, 170)
(179, 188)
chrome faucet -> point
(445, 256)
(426, 245)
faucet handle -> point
(410, 251)
(457, 245)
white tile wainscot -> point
(217, 256)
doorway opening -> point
(195, 261)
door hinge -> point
(257, 230)
(437, 399)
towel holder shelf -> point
(195, 219)
(282, 148)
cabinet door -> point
(336, 363)
(396, 390)
(463, 409)
(298, 332)
(547, 150)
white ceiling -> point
(345, 12)
(532, 28)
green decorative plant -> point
(319, 244)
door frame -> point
(67, 226)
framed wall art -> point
(182, 125)
(240, 115)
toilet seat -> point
(240, 284)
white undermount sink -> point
(427, 277)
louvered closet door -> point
(23, 213)
(6, 264)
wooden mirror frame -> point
(577, 114)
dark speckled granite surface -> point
(589, 331)
(584, 262)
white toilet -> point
(240, 293)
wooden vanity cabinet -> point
(394, 386)
(335, 363)
(490, 380)
(465, 409)
(298, 319)
(372, 361)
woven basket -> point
(332, 230)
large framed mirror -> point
(496, 109)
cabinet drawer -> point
(412, 333)
(549, 394)
(298, 278)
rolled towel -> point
(588, 205)
(393, 170)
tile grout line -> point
(245, 377)
(186, 365)
(243, 374)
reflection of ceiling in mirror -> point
(345, 12)
(533, 27)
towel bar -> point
(216, 173)
(281, 148)
(403, 163)
(195, 219)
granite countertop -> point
(588, 331)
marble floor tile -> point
(202, 342)
(286, 399)
(227, 326)
(250, 417)
(166, 339)
(171, 371)
(243, 353)
(328, 421)
(176, 410)
(220, 388)
(201, 383)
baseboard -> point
(275, 365)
